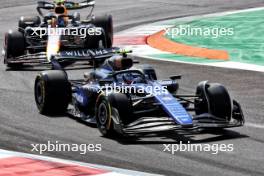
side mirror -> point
(175, 77)
(41, 4)
(105, 82)
(45, 5)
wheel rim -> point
(102, 113)
(39, 93)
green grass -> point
(245, 45)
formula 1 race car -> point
(37, 38)
(125, 100)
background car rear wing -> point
(93, 56)
(70, 5)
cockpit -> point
(129, 77)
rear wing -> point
(83, 55)
(93, 56)
(70, 5)
(86, 54)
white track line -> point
(254, 125)
(148, 29)
(156, 26)
(218, 14)
(226, 64)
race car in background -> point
(134, 108)
(26, 45)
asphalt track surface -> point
(21, 124)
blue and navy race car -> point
(122, 99)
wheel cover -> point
(39, 93)
(102, 113)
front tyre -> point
(103, 117)
(214, 99)
(52, 92)
(112, 112)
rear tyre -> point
(15, 46)
(106, 23)
(215, 100)
(93, 41)
(52, 92)
(28, 22)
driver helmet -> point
(128, 78)
(118, 62)
(60, 11)
(115, 62)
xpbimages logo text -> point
(62, 147)
(83, 32)
(133, 89)
(188, 147)
(188, 30)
